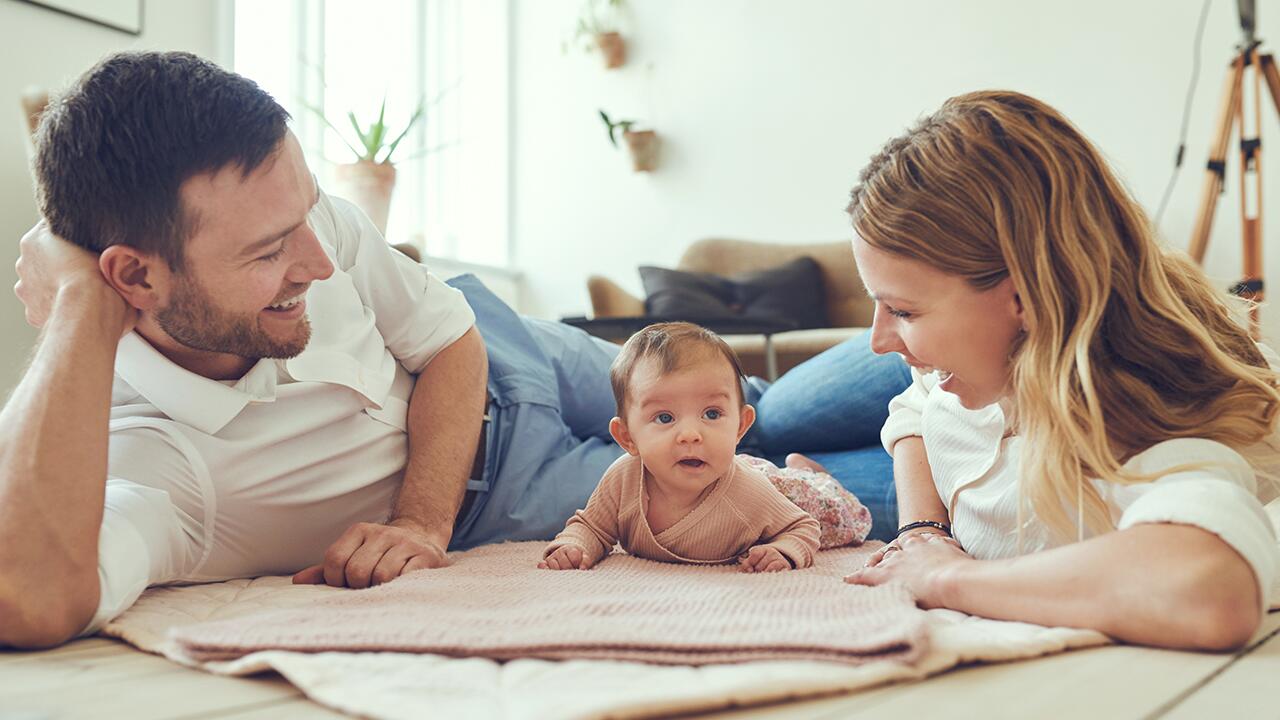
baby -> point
(680, 494)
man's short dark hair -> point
(114, 149)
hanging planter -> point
(642, 144)
(613, 49)
(597, 29)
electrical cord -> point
(1186, 114)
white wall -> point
(48, 49)
(768, 110)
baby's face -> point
(685, 424)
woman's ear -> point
(1019, 308)
(618, 429)
(746, 419)
(135, 275)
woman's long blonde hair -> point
(1126, 344)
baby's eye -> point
(664, 418)
(903, 314)
(713, 414)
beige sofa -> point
(848, 307)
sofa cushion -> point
(792, 291)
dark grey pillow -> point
(791, 292)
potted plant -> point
(369, 181)
(643, 144)
(597, 23)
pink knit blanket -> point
(492, 602)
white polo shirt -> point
(211, 480)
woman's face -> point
(937, 321)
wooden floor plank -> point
(1114, 681)
(86, 645)
(1122, 682)
(1245, 688)
(66, 672)
(291, 709)
(178, 692)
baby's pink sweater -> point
(744, 509)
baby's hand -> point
(763, 558)
(565, 557)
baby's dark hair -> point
(673, 345)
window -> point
(340, 56)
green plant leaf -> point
(364, 137)
(609, 124)
(413, 119)
(335, 130)
(378, 130)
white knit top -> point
(975, 462)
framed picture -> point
(122, 15)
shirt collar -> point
(204, 404)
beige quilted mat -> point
(403, 685)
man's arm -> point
(444, 419)
(53, 446)
(445, 413)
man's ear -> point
(618, 429)
(746, 419)
(139, 277)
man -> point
(254, 373)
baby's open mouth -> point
(692, 462)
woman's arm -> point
(917, 495)
(1163, 585)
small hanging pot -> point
(643, 145)
(613, 48)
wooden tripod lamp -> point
(1236, 109)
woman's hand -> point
(921, 561)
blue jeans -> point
(831, 408)
(548, 443)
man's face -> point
(249, 261)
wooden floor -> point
(99, 678)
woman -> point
(1087, 418)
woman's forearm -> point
(1163, 585)
(917, 495)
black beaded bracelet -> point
(925, 523)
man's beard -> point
(193, 319)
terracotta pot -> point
(613, 48)
(368, 185)
(643, 145)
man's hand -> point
(565, 557)
(369, 554)
(763, 558)
(47, 264)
